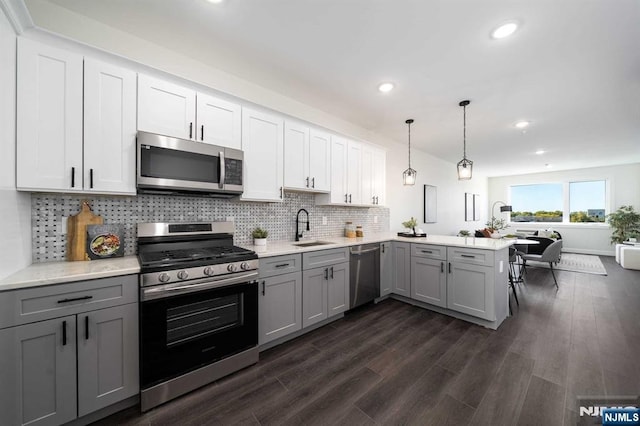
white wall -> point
(15, 207)
(407, 201)
(624, 189)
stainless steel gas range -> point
(198, 307)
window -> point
(537, 203)
(568, 202)
(587, 201)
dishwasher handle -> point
(360, 252)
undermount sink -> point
(312, 243)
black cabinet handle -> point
(449, 267)
(346, 197)
(349, 197)
(427, 251)
(73, 177)
(468, 255)
(441, 266)
(86, 328)
(191, 130)
(264, 287)
(326, 273)
(91, 178)
(64, 333)
(377, 200)
(75, 299)
(313, 182)
(373, 200)
(282, 265)
(332, 272)
(383, 245)
(202, 132)
(281, 192)
(307, 181)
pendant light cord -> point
(464, 132)
(410, 144)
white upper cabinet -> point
(379, 175)
(354, 172)
(54, 153)
(219, 122)
(339, 193)
(373, 175)
(307, 156)
(173, 110)
(109, 128)
(262, 143)
(49, 118)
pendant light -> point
(409, 175)
(465, 167)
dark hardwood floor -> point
(393, 363)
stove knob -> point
(232, 267)
(164, 277)
(183, 275)
(208, 271)
(244, 266)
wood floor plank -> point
(448, 412)
(503, 400)
(543, 404)
(469, 344)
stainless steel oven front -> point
(194, 333)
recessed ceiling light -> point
(215, 1)
(504, 30)
(540, 152)
(386, 87)
(522, 124)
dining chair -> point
(512, 259)
(550, 255)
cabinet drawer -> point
(317, 259)
(472, 256)
(41, 303)
(430, 251)
(270, 266)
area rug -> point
(574, 262)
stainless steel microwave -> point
(170, 165)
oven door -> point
(166, 163)
(184, 332)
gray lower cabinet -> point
(429, 281)
(38, 371)
(338, 289)
(402, 268)
(56, 369)
(386, 269)
(314, 296)
(280, 305)
(471, 283)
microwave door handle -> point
(222, 170)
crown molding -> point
(18, 15)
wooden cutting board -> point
(77, 232)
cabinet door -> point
(367, 181)
(402, 269)
(354, 172)
(107, 357)
(338, 289)
(386, 269)
(339, 193)
(280, 306)
(470, 290)
(166, 108)
(109, 128)
(49, 118)
(262, 142)
(296, 156)
(314, 296)
(219, 122)
(379, 176)
(320, 160)
(38, 370)
(429, 281)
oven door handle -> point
(167, 290)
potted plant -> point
(411, 224)
(260, 236)
(495, 225)
(464, 233)
(625, 223)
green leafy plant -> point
(260, 233)
(496, 224)
(625, 223)
(464, 233)
(411, 223)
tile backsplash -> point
(49, 210)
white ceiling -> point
(572, 69)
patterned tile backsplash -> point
(49, 210)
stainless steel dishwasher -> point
(364, 266)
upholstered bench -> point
(630, 257)
(618, 248)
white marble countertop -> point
(39, 274)
(278, 248)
